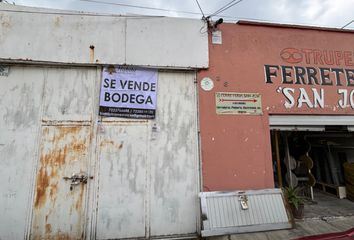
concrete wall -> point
(236, 149)
(34, 34)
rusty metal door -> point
(59, 203)
(64, 153)
(122, 181)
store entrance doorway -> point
(320, 160)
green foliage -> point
(292, 196)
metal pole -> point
(277, 154)
(287, 154)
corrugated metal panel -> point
(68, 94)
(159, 42)
(61, 38)
(20, 100)
(173, 157)
(122, 181)
(222, 212)
(67, 38)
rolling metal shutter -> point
(309, 122)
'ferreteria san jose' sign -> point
(308, 74)
(128, 92)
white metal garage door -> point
(149, 169)
(145, 174)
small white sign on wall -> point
(216, 37)
(207, 84)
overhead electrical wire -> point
(346, 25)
(98, 14)
(205, 26)
(216, 13)
(220, 9)
(161, 9)
(80, 14)
(138, 17)
(225, 7)
(124, 16)
(200, 8)
(141, 7)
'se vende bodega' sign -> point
(128, 92)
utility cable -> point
(140, 7)
(205, 20)
(153, 8)
(346, 25)
(230, 6)
(81, 14)
(225, 7)
(220, 9)
(231, 18)
(200, 9)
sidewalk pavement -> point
(306, 227)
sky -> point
(323, 13)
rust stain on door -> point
(111, 143)
(53, 160)
(78, 204)
(59, 211)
